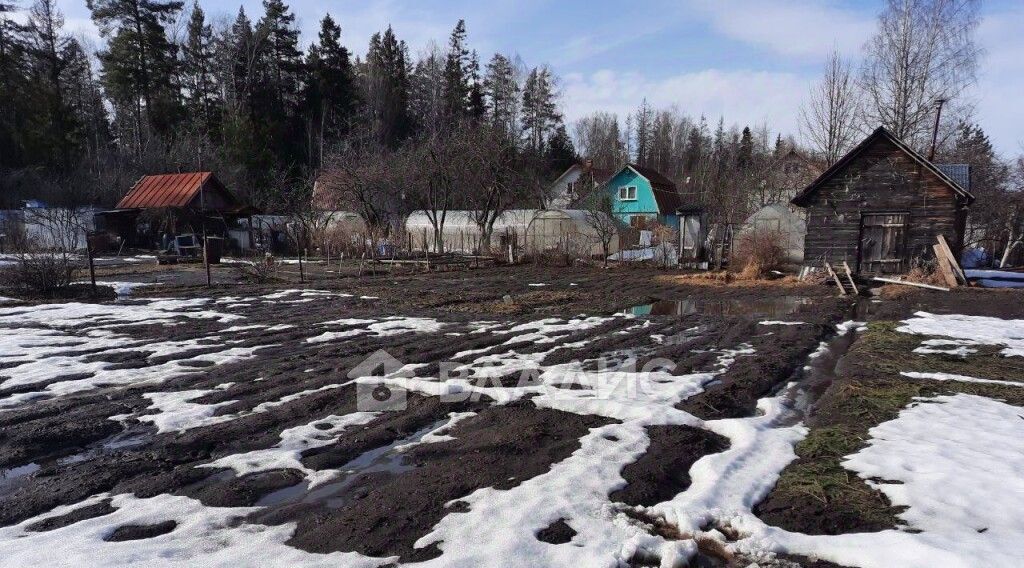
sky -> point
(751, 61)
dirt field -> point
(453, 417)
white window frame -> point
(627, 189)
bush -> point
(757, 253)
(39, 273)
(259, 270)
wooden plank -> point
(954, 264)
(914, 284)
(944, 268)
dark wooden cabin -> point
(880, 207)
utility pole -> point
(935, 131)
(206, 243)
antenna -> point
(935, 131)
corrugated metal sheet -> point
(165, 190)
(960, 173)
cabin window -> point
(627, 193)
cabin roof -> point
(802, 199)
(171, 190)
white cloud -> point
(806, 29)
(1001, 81)
(742, 97)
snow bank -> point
(957, 460)
(978, 329)
(204, 536)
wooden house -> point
(643, 196)
(880, 207)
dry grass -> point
(758, 253)
(731, 279)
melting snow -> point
(204, 536)
(977, 329)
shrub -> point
(39, 273)
(757, 253)
(259, 270)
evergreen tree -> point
(140, 63)
(53, 127)
(456, 80)
(476, 106)
(540, 112)
(745, 157)
(559, 151)
(387, 88)
(502, 95)
(426, 97)
(329, 94)
(644, 123)
(202, 93)
(280, 58)
(13, 83)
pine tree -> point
(426, 97)
(140, 63)
(329, 95)
(53, 128)
(280, 59)
(540, 112)
(387, 88)
(745, 156)
(559, 152)
(202, 93)
(13, 83)
(456, 81)
(502, 95)
(644, 125)
(476, 107)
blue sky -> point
(750, 61)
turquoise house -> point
(641, 196)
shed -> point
(171, 204)
(567, 230)
(880, 207)
(787, 221)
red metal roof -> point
(166, 190)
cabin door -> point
(883, 243)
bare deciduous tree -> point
(923, 50)
(600, 217)
(829, 119)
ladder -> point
(843, 279)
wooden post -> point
(92, 267)
(206, 256)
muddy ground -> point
(60, 450)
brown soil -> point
(385, 512)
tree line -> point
(243, 98)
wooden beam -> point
(954, 263)
(944, 268)
(914, 284)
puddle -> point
(774, 307)
(14, 477)
(820, 371)
(385, 459)
(129, 438)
